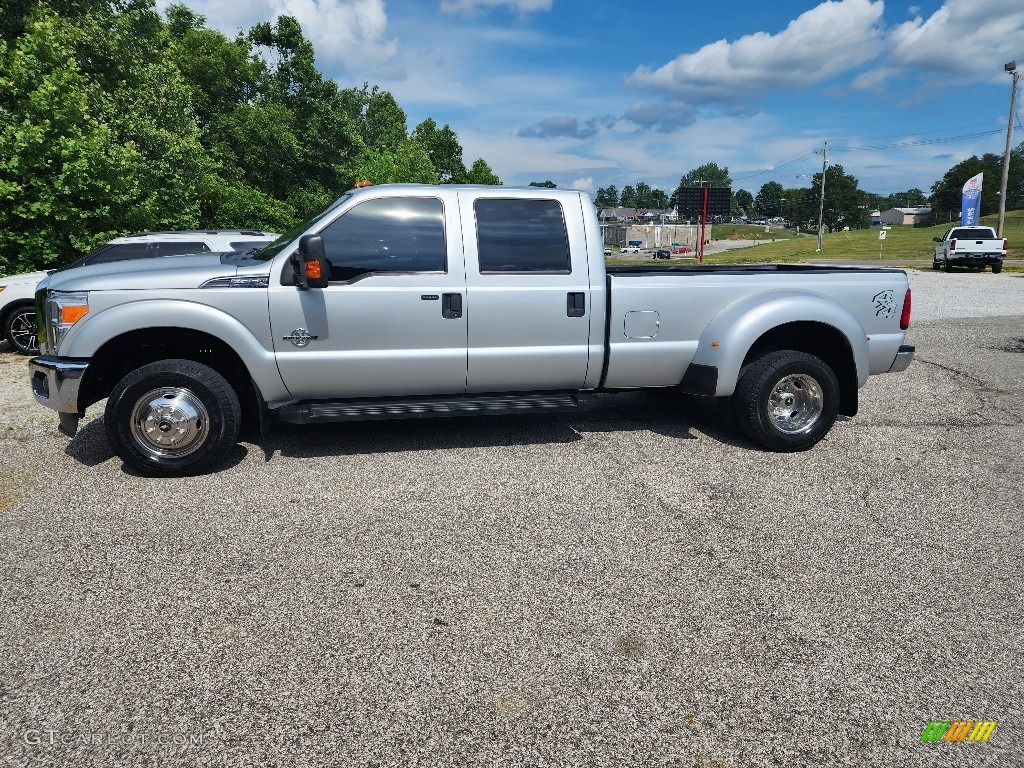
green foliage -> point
(744, 200)
(607, 197)
(707, 175)
(946, 193)
(84, 160)
(769, 200)
(549, 184)
(641, 195)
(480, 173)
(113, 119)
(444, 150)
(408, 163)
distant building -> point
(907, 216)
(876, 218)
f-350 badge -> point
(300, 337)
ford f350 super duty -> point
(402, 301)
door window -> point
(521, 236)
(394, 234)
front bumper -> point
(903, 358)
(55, 384)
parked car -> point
(371, 310)
(662, 253)
(631, 249)
(17, 302)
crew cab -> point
(975, 247)
(409, 301)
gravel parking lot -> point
(636, 586)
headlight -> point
(63, 310)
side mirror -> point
(937, 239)
(312, 270)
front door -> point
(387, 325)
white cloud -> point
(964, 37)
(473, 6)
(351, 32)
(832, 38)
(584, 184)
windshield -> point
(269, 251)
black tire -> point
(935, 264)
(997, 268)
(786, 400)
(946, 266)
(20, 329)
(172, 418)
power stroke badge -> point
(300, 337)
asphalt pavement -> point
(634, 586)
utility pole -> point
(821, 208)
(1012, 69)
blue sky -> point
(589, 94)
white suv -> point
(17, 293)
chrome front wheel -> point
(173, 417)
(170, 422)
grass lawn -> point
(900, 243)
(749, 232)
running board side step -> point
(431, 407)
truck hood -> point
(161, 273)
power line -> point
(919, 142)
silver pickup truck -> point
(405, 301)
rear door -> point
(528, 291)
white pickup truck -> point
(408, 301)
(975, 247)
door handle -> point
(575, 304)
(451, 306)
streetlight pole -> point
(1011, 67)
(821, 208)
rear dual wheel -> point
(786, 400)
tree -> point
(607, 197)
(480, 173)
(912, 198)
(407, 164)
(744, 200)
(707, 175)
(85, 157)
(947, 192)
(844, 202)
(443, 149)
(769, 199)
(628, 197)
(549, 184)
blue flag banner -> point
(970, 203)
